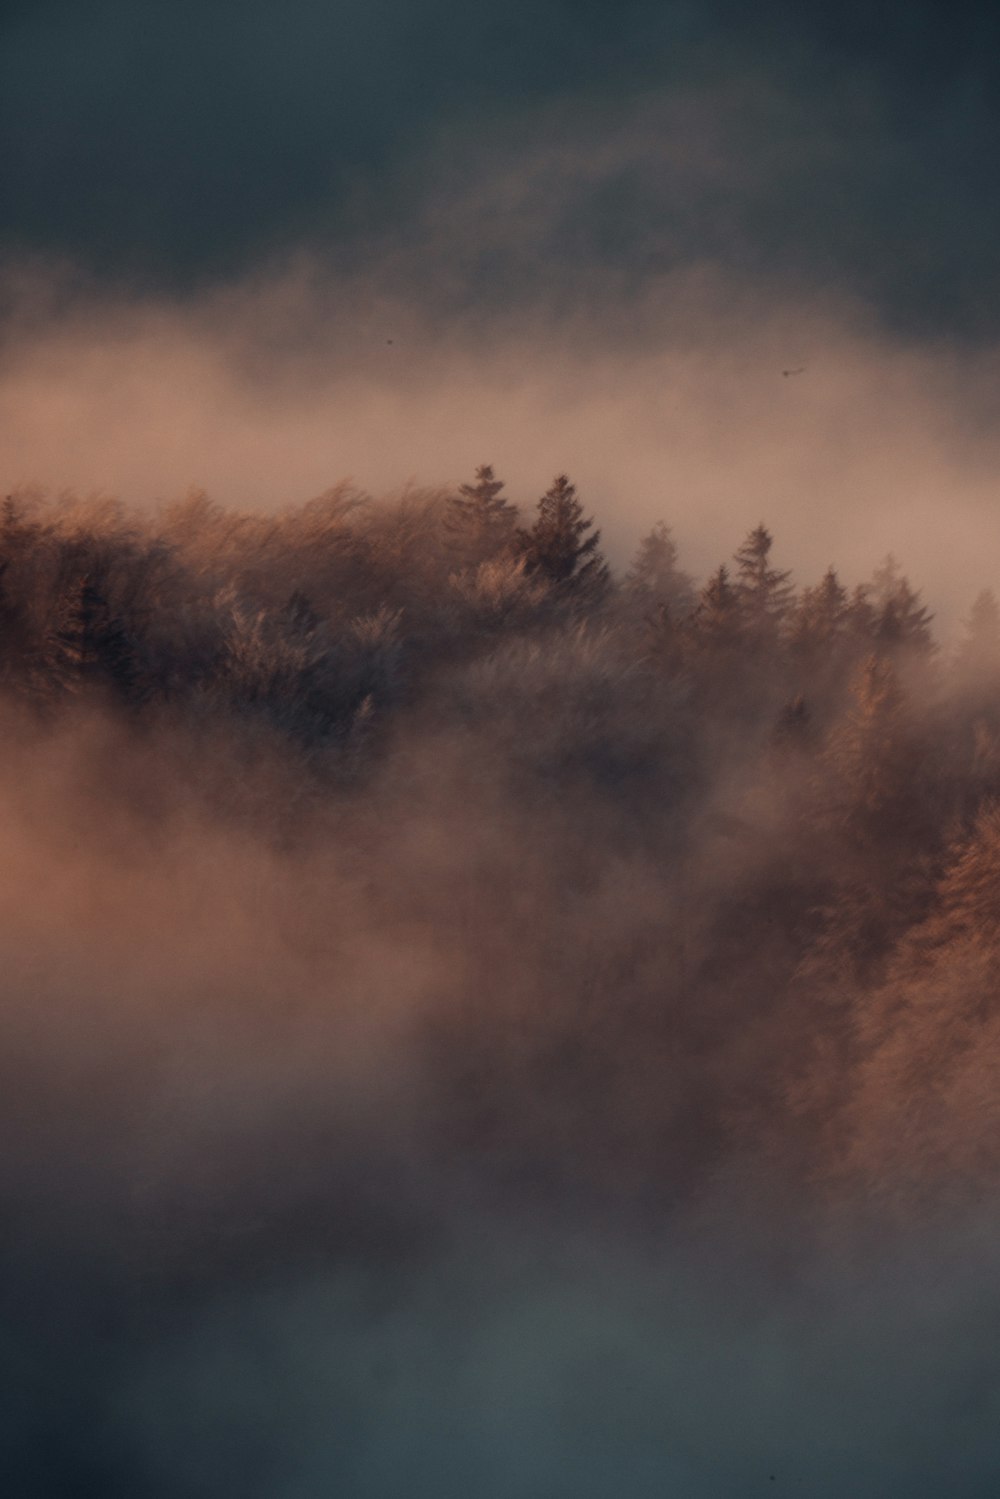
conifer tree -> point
(481, 522)
(901, 624)
(968, 903)
(861, 617)
(663, 640)
(764, 593)
(874, 755)
(716, 620)
(90, 645)
(975, 679)
(822, 642)
(558, 547)
(13, 633)
(17, 530)
(820, 617)
(978, 654)
(654, 577)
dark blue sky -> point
(185, 142)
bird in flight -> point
(800, 371)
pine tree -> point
(878, 798)
(861, 617)
(13, 632)
(901, 625)
(90, 646)
(875, 759)
(716, 622)
(17, 530)
(654, 577)
(822, 644)
(976, 700)
(968, 895)
(820, 617)
(663, 641)
(480, 521)
(764, 593)
(978, 654)
(557, 545)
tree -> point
(820, 617)
(663, 641)
(90, 645)
(975, 701)
(876, 760)
(557, 545)
(902, 625)
(967, 895)
(764, 593)
(481, 522)
(823, 643)
(879, 801)
(14, 645)
(716, 619)
(978, 654)
(654, 577)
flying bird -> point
(800, 371)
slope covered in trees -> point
(473, 1022)
(714, 864)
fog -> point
(499, 977)
(464, 1030)
(677, 407)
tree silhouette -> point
(820, 617)
(716, 622)
(90, 646)
(558, 547)
(654, 577)
(480, 521)
(877, 761)
(978, 654)
(763, 592)
(901, 624)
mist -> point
(484, 1021)
(672, 405)
(499, 751)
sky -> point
(177, 144)
(260, 248)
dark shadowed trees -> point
(902, 625)
(480, 521)
(764, 593)
(558, 546)
(716, 623)
(90, 646)
(790, 783)
(819, 619)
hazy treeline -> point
(725, 857)
(378, 871)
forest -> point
(718, 864)
(381, 866)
